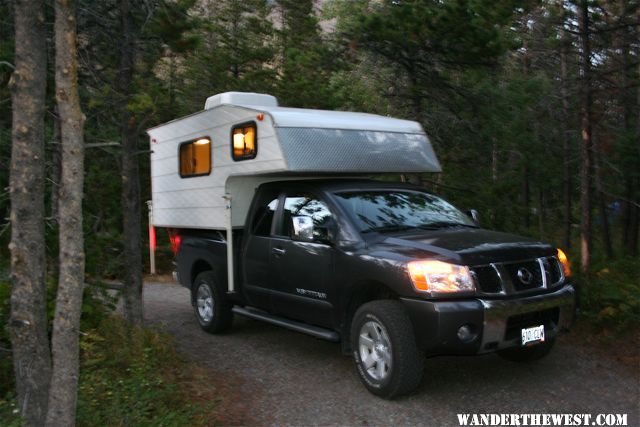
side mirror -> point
(302, 228)
(474, 215)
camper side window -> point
(244, 141)
(195, 158)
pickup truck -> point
(389, 270)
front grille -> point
(552, 270)
(525, 275)
(516, 277)
(487, 279)
(548, 318)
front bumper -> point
(494, 324)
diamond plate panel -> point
(337, 150)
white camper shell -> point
(290, 143)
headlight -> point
(438, 276)
(564, 261)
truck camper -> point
(274, 215)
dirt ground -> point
(267, 375)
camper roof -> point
(323, 119)
(302, 117)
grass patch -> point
(132, 376)
(128, 376)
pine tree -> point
(307, 61)
(235, 53)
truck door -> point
(256, 263)
(302, 272)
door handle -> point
(278, 251)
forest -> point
(533, 108)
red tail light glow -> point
(152, 237)
(175, 240)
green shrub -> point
(611, 297)
(6, 364)
(8, 410)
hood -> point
(467, 246)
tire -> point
(527, 354)
(384, 349)
(212, 307)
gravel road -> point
(271, 376)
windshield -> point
(396, 210)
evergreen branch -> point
(4, 227)
(102, 144)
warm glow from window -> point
(244, 142)
(195, 158)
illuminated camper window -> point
(195, 158)
(244, 141)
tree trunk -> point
(630, 211)
(526, 197)
(28, 323)
(66, 323)
(566, 152)
(635, 225)
(133, 304)
(626, 214)
(56, 167)
(635, 229)
(494, 160)
(602, 206)
(132, 228)
(586, 147)
(541, 219)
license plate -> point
(532, 335)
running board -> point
(314, 331)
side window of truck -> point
(305, 205)
(264, 218)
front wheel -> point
(212, 307)
(384, 349)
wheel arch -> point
(200, 266)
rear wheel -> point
(527, 354)
(384, 349)
(212, 307)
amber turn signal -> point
(564, 261)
